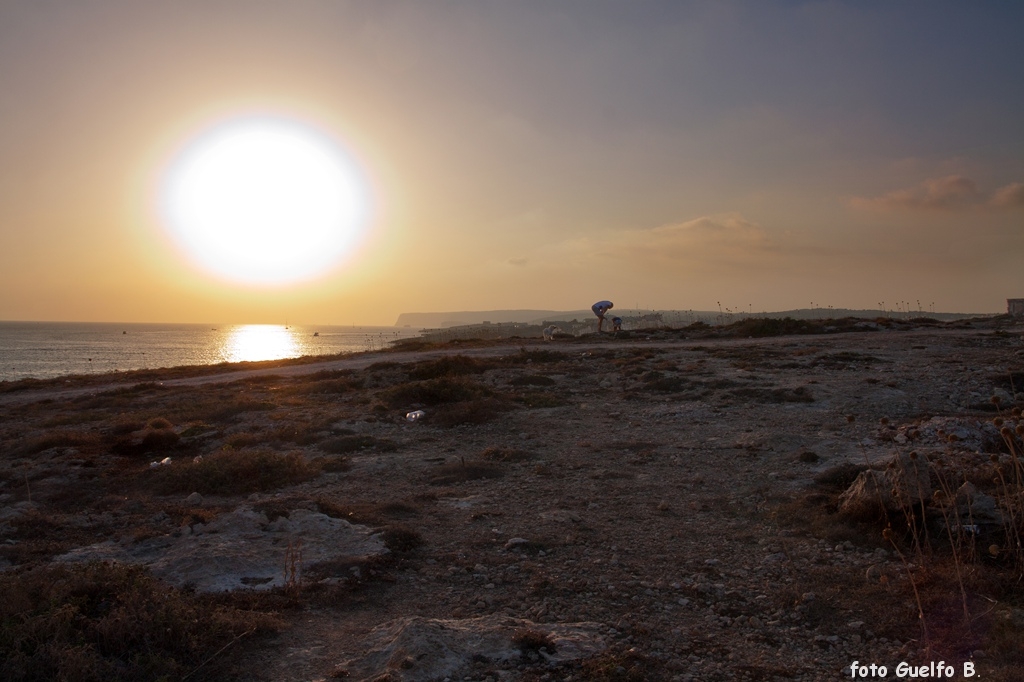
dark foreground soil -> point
(679, 495)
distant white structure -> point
(1015, 306)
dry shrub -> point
(326, 387)
(463, 471)
(159, 439)
(333, 464)
(74, 418)
(112, 622)
(532, 380)
(124, 426)
(528, 640)
(245, 439)
(622, 666)
(762, 327)
(399, 538)
(538, 400)
(469, 412)
(213, 409)
(440, 391)
(231, 472)
(840, 477)
(346, 444)
(59, 439)
(501, 454)
(450, 366)
(800, 394)
(364, 513)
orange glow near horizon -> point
(263, 201)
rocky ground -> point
(646, 507)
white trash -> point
(415, 416)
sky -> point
(761, 155)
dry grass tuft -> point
(112, 622)
(399, 538)
(346, 444)
(502, 454)
(529, 640)
(231, 472)
(470, 412)
(460, 472)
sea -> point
(43, 350)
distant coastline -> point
(441, 320)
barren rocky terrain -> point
(648, 506)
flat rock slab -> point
(419, 649)
(242, 549)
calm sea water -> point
(44, 350)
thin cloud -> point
(1010, 196)
(949, 193)
(938, 194)
(518, 262)
(708, 240)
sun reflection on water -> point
(255, 342)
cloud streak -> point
(1010, 196)
(949, 193)
(716, 240)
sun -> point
(264, 201)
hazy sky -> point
(530, 154)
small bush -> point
(245, 439)
(761, 327)
(159, 423)
(159, 439)
(346, 444)
(537, 400)
(59, 439)
(463, 471)
(333, 464)
(469, 412)
(500, 454)
(533, 640)
(532, 380)
(449, 366)
(399, 538)
(434, 392)
(235, 472)
(112, 622)
(214, 410)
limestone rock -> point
(870, 493)
(904, 483)
(242, 549)
(911, 479)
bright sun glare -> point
(264, 201)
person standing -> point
(600, 308)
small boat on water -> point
(316, 333)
